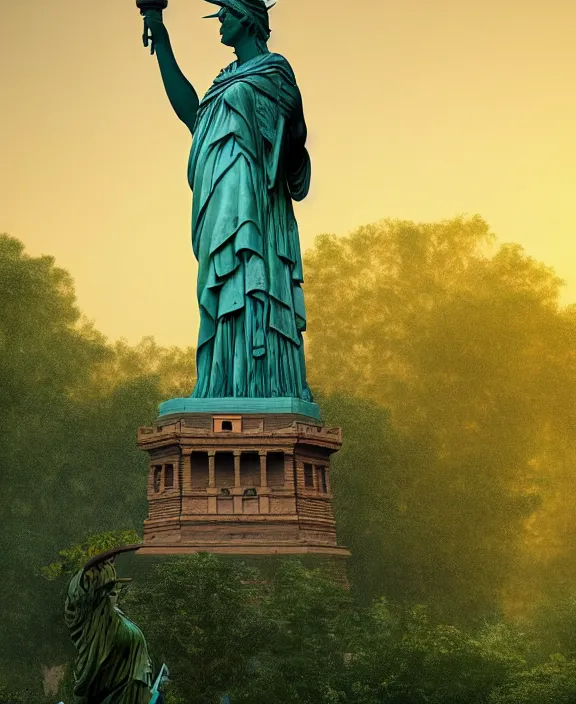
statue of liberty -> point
(113, 665)
(247, 164)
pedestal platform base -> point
(236, 480)
(257, 406)
(246, 549)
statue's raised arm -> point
(180, 91)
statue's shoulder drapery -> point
(245, 237)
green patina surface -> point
(294, 406)
(113, 665)
(248, 162)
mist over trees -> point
(474, 360)
(451, 367)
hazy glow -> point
(415, 109)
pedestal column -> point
(211, 469)
(186, 470)
(264, 492)
(237, 482)
(211, 491)
(289, 471)
(238, 507)
(263, 473)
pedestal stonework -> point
(240, 484)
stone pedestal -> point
(245, 484)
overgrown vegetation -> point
(451, 369)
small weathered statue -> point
(247, 164)
(113, 665)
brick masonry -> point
(240, 484)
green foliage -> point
(46, 354)
(293, 635)
(404, 657)
(46, 347)
(310, 623)
(451, 372)
(472, 358)
(200, 616)
(222, 625)
(379, 282)
(69, 462)
(553, 682)
(552, 626)
(173, 369)
(22, 695)
(367, 478)
(75, 557)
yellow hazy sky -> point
(417, 109)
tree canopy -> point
(450, 365)
(469, 352)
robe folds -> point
(245, 238)
(113, 665)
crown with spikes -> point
(255, 10)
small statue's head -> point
(243, 18)
(114, 596)
(119, 587)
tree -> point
(553, 682)
(310, 624)
(67, 448)
(402, 657)
(469, 354)
(173, 369)
(200, 616)
(75, 557)
(552, 626)
(47, 353)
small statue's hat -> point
(109, 554)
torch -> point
(143, 6)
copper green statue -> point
(113, 665)
(247, 164)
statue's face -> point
(231, 28)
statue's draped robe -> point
(112, 665)
(245, 238)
